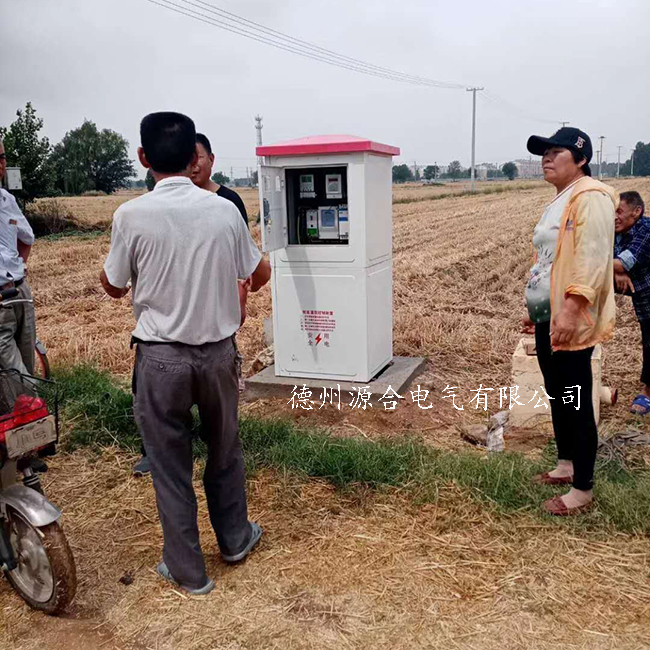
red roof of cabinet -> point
(326, 144)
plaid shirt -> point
(632, 248)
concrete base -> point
(398, 375)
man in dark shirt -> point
(632, 276)
(201, 175)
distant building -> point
(529, 168)
(482, 171)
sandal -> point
(557, 507)
(547, 479)
(256, 535)
(164, 573)
(642, 401)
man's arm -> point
(637, 253)
(261, 275)
(113, 292)
(24, 250)
(117, 266)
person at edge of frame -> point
(571, 308)
(18, 322)
(183, 249)
(632, 277)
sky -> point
(547, 61)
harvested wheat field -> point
(355, 567)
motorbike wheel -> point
(46, 576)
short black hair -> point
(168, 140)
(203, 140)
(578, 157)
(634, 200)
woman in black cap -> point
(570, 300)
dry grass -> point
(360, 570)
(356, 569)
(460, 266)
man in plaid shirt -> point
(632, 276)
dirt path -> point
(359, 569)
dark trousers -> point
(575, 431)
(170, 378)
(645, 341)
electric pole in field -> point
(473, 91)
(600, 163)
(258, 127)
(618, 164)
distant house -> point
(242, 182)
(529, 168)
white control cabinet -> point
(326, 219)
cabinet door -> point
(273, 208)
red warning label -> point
(317, 321)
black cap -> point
(566, 137)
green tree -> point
(402, 173)
(149, 180)
(431, 172)
(26, 150)
(510, 171)
(90, 159)
(455, 169)
(255, 178)
(642, 159)
(220, 178)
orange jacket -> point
(583, 264)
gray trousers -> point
(170, 378)
(18, 334)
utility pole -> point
(473, 91)
(258, 127)
(415, 171)
(618, 165)
(632, 164)
(600, 163)
(232, 177)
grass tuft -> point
(99, 412)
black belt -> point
(12, 283)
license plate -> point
(30, 436)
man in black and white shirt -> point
(17, 323)
(183, 249)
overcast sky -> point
(113, 61)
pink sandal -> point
(558, 508)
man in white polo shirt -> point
(183, 249)
(17, 323)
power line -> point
(498, 102)
(281, 36)
(288, 46)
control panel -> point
(317, 206)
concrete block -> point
(398, 375)
(527, 376)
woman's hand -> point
(565, 323)
(527, 325)
(623, 283)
